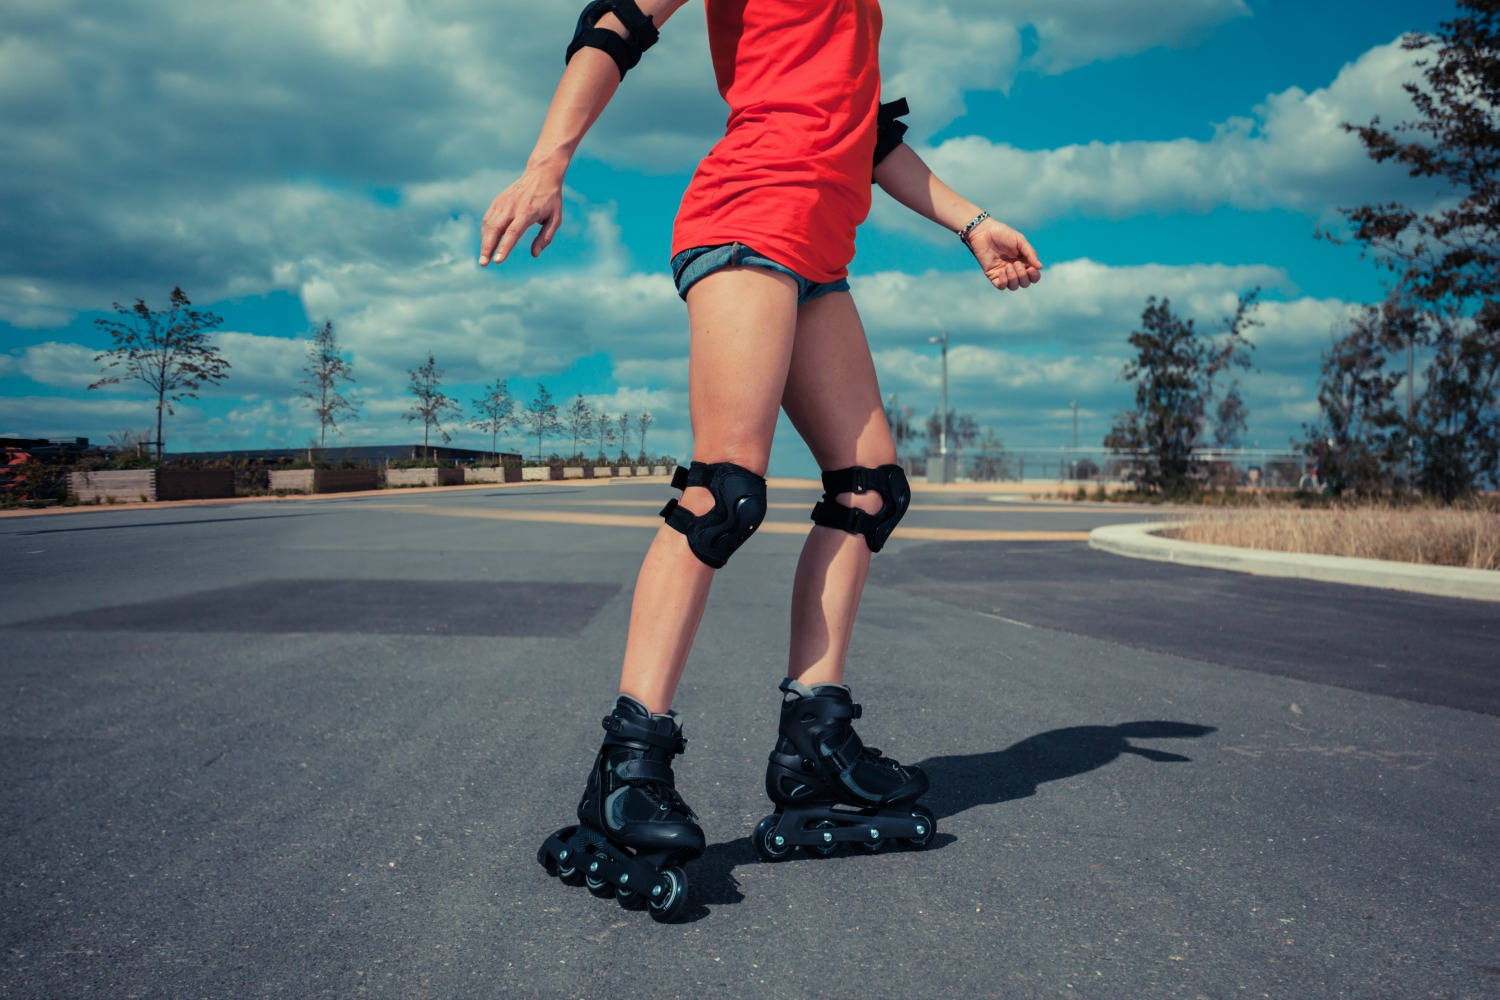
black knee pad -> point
(739, 507)
(895, 493)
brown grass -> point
(1441, 536)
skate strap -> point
(671, 740)
(640, 771)
(845, 756)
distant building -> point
(371, 454)
(47, 447)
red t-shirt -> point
(791, 177)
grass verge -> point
(1440, 536)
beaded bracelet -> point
(963, 234)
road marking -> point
(1008, 621)
(773, 527)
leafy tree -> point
(1446, 261)
(578, 418)
(1230, 415)
(644, 422)
(541, 416)
(432, 405)
(169, 350)
(324, 370)
(495, 412)
(898, 418)
(604, 426)
(962, 431)
(1174, 372)
(1360, 436)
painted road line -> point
(768, 527)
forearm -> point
(904, 176)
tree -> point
(432, 406)
(495, 412)
(992, 462)
(1360, 436)
(898, 418)
(604, 425)
(541, 416)
(1230, 416)
(1174, 372)
(962, 431)
(578, 418)
(1446, 261)
(644, 422)
(169, 350)
(324, 370)
(623, 423)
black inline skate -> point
(829, 788)
(634, 831)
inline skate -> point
(829, 788)
(634, 831)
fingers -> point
(490, 231)
(549, 229)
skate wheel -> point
(824, 847)
(545, 857)
(873, 846)
(599, 887)
(764, 840)
(927, 822)
(629, 899)
(667, 904)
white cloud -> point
(1073, 32)
(1291, 152)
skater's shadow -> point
(962, 781)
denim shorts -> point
(696, 263)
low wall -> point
(325, 480)
(194, 484)
(113, 485)
(492, 474)
(424, 476)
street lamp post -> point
(943, 415)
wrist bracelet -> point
(963, 234)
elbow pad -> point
(626, 52)
(888, 128)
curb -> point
(1142, 541)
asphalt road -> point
(309, 748)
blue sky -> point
(287, 165)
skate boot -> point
(829, 788)
(634, 831)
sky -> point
(289, 163)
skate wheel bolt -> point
(656, 890)
(780, 841)
(624, 878)
(874, 833)
(594, 867)
(562, 855)
(827, 838)
(921, 829)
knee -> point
(739, 507)
(864, 501)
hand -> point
(534, 199)
(1007, 259)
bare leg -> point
(743, 322)
(833, 399)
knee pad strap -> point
(739, 507)
(887, 480)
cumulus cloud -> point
(1290, 152)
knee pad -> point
(739, 507)
(895, 494)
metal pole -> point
(943, 415)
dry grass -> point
(1442, 536)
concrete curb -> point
(1142, 541)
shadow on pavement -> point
(963, 781)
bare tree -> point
(644, 422)
(578, 418)
(623, 423)
(541, 416)
(432, 406)
(167, 349)
(604, 425)
(324, 370)
(495, 412)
